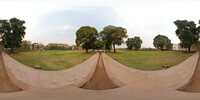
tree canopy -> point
(13, 31)
(112, 35)
(161, 41)
(98, 44)
(134, 43)
(187, 32)
(86, 37)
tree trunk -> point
(161, 48)
(189, 49)
(12, 49)
(114, 48)
(86, 50)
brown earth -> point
(5, 84)
(100, 79)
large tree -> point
(161, 41)
(187, 32)
(112, 35)
(86, 37)
(99, 44)
(134, 43)
(13, 32)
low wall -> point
(26, 77)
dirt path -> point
(194, 85)
(100, 79)
(5, 83)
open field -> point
(51, 60)
(149, 60)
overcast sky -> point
(56, 21)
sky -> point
(56, 21)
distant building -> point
(175, 47)
(58, 45)
(30, 44)
(38, 46)
(73, 47)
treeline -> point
(12, 32)
(52, 47)
(88, 37)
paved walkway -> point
(194, 85)
(134, 84)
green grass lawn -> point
(51, 60)
(149, 60)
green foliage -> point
(86, 37)
(134, 43)
(25, 46)
(161, 41)
(52, 47)
(187, 32)
(112, 35)
(98, 44)
(13, 31)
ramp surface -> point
(5, 84)
(194, 85)
(100, 79)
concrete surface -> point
(100, 79)
(194, 84)
(171, 78)
(27, 77)
(6, 86)
(134, 84)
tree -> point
(99, 44)
(13, 31)
(85, 37)
(161, 41)
(112, 35)
(25, 45)
(134, 43)
(187, 32)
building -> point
(58, 45)
(38, 46)
(73, 47)
(175, 47)
(30, 44)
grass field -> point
(149, 60)
(51, 60)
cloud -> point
(57, 20)
(61, 26)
